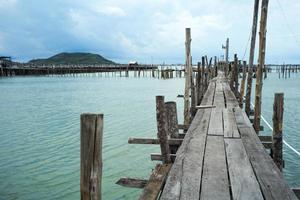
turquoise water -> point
(39, 134)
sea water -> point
(40, 135)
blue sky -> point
(144, 30)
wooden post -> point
(261, 63)
(199, 84)
(172, 121)
(162, 133)
(277, 130)
(203, 78)
(172, 124)
(187, 114)
(242, 89)
(91, 130)
(236, 75)
(251, 58)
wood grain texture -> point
(91, 130)
(155, 183)
(215, 183)
(271, 181)
(244, 184)
(230, 127)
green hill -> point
(72, 58)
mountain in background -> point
(72, 58)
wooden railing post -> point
(162, 133)
(199, 84)
(91, 130)
(277, 130)
(188, 66)
(251, 58)
(261, 63)
(242, 89)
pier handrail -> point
(271, 128)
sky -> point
(144, 30)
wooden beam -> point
(265, 138)
(132, 182)
(183, 126)
(91, 130)
(171, 141)
(156, 182)
(158, 157)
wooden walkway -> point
(221, 156)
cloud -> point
(110, 11)
(132, 29)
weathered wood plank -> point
(132, 182)
(241, 118)
(205, 106)
(230, 127)
(216, 122)
(194, 138)
(230, 99)
(242, 178)
(193, 161)
(272, 183)
(215, 179)
(155, 183)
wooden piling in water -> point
(277, 129)
(162, 133)
(91, 130)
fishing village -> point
(219, 150)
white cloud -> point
(109, 10)
(7, 3)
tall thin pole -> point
(187, 76)
(261, 63)
(251, 57)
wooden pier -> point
(222, 157)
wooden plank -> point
(242, 178)
(215, 179)
(216, 122)
(155, 183)
(190, 153)
(132, 182)
(193, 161)
(205, 106)
(230, 99)
(241, 118)
(230, 127)
(272, 183)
